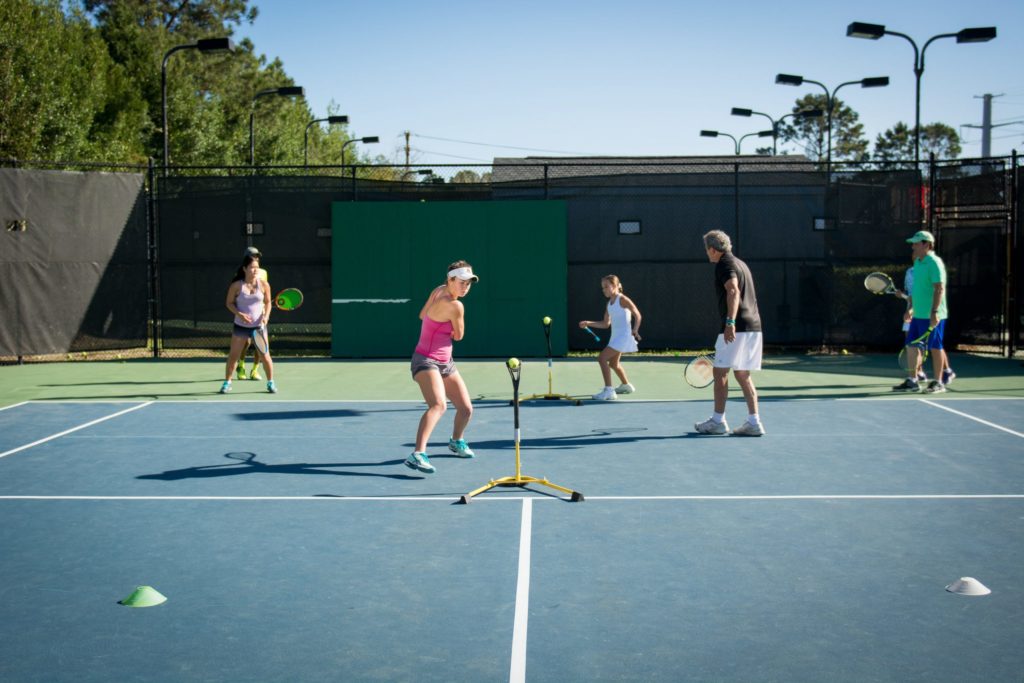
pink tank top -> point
(250, 303)
(435, 340)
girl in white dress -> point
(623, 317)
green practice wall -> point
(387, 257)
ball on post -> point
(512, 363)
(546, 320)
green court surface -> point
(656, 378)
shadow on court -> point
(246, 463)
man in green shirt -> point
(927, 310)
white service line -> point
(447, 500)
(370, 301)
(517, 671)
(73, 429)
(14, 406)
(971, 417)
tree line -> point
(81, 81)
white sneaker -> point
(419, 461)
(607, 394)
(709, 426)
(748, 429)
(626, 388)
(935, 387)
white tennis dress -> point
(622, 339)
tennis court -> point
(292, 544)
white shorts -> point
(744, 353)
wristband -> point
(730, 322)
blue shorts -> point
(919, 326)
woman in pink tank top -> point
(444, 322)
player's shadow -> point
(246, 463)
(316, 414)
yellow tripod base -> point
(551, 395)
(521, 480)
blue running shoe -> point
(226, 387)
(460, 448)
(419, 461)
(271, 387)
(948, 376)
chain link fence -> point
(809, 238)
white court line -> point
(971, 417)
(73, 429)
(517, 671)
(370, 301)
(449, 499)
(14, 406)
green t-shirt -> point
(928, 271)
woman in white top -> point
(623, 317)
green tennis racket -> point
(921, 344)
(288, 299)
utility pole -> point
(407, 151)
(986, 123)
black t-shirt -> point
(747, 318)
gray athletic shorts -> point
(421, 362)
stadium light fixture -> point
(830, 98)
(367, 140)
(286, 91)
(331, 120)
(859, 29)
(204, 45)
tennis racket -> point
(260, 340)
(288, 299)
(921, 344)
(699, 372)
(593, 334)
(879, 283)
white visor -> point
(465, 273)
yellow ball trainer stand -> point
(551, 395)
(514, 367)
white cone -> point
(967, 585)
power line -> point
(453, 156)
(487, 144)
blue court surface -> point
(292, 543)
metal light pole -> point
(367, 140)
(288, 91)
(715, 134)
(830, 98)
(860, 29)
(739, 142)
(205, 45)
(331, 120)
(803, 113)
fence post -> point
(545, 181)
(736, 204)
(1013, 258)
(151, 256)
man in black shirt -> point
(738, 347)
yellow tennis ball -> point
(512, 363)
(546, 320)
(845, 352)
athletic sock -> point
(718, 417)
(754, 419)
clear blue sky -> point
(638, 77)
